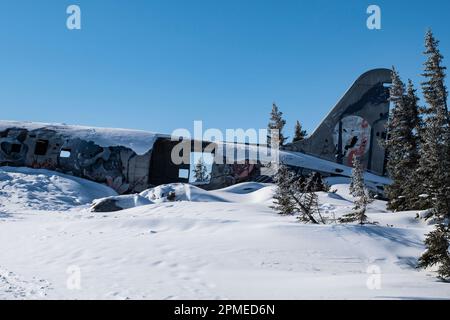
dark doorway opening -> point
(162, 169)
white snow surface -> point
(24, 189)
(303, 160)
(251, 192)
(225, 244)
(316, 164)
(139, 141)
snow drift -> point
(23, 189)
(224, 244)
(251, 192)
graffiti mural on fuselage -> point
(48, 149)
(355, 135)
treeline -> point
(418, 148)
(418, 161)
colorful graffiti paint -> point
(352, 138)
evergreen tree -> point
(309, 198)
(201, 172)
(357, 178)
(293, 196)
(434, 173)
(435, 158)
(315, 183)
(310, 206)
(412, 154)
(299, 134)
(437, 253)
(402, 146)
(277, 124)
(359, 191)
(284, 203)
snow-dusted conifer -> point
(434, 173)
(357, 179)
(201, 172)
(402, 146)
(361, 195)
(316, 183)
(437, 253)
(412, 191)
(276, 123)
(294, 196)
(434, 170)
(283, 199)
(309, 199)
(299, 133)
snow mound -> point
(24, 189)
(244, 188)
(180, 192)
(118, 203)
(250, 192)
(256, 193)
(339, 202)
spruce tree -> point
(402, 145)
(277, 124)
(357, 178)
(434, 173)
(435, 159)
(412, 148)
(299, 133)
(310, 206)
(316, 183)
(361, 195)
(437, 253)
(310, 200)
(201, 172)
(284, 202)
(294, 196)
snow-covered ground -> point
(226, 244)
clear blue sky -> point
(160, 65)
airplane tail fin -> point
(355, 126)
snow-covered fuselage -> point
(131, 161)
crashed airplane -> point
(131, 161)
